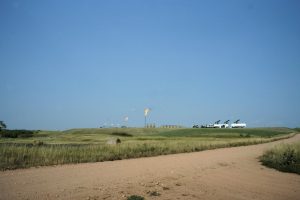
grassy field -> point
(284, 157)
(297, 129)
(90, 145)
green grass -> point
(17, 133)
(100, 136)
(229, 133)
(297, 129)
(89, 145)
(284, 157)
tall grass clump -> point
(135, 197)
(284, 157)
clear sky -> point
(69, 64)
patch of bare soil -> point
(229, 173)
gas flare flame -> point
(146, 111)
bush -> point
(16, 133)
(245, 135)
(124, 134)
(284, 158)
(135, 197)
(118, 141)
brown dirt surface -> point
(228, 173)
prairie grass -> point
(226, 133)
(283, 157)
(100, 136)
(22, 155)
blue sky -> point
(69, 64)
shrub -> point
(284, 158)
(16, 133)
(135, 197)
(245, 135)
(118, 141)
(124, 134)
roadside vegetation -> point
(283, 157)
(135, 197)
(91, 145)
(17, 133)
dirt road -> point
(231, 173)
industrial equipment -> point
(237, 124)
